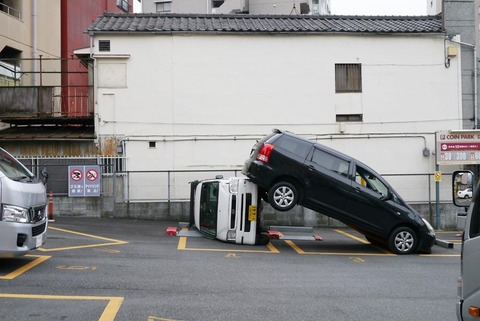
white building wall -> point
(434, 7)
(321, 7)
(204, 100)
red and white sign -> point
(76, 175)
(458, 148)
(92, 175)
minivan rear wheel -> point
(403, 240)
(283, 196)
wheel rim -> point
(283, 196)
(404, 241)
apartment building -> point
(46, 101)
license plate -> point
(252, 213)
(38, 241)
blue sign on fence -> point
(84, 180)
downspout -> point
(34, 42)
(475, 81)
(475, 86)
(94, 99)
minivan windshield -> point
(209, 208)
(12, 168)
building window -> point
(217, 3)
(104, 45)
(349, 117)
(348, 78)
(152, 144)
(164, 6)
(123, 4)
(12, 8)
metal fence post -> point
(429, 178)
(168, 191)
(437, 201)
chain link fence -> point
(57, 169)
(421, 188)
(173, 185)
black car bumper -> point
(259, 173)
(426, 241)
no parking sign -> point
(84, 180)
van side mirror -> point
(44, 174)
(462, 188)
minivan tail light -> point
(264, 152)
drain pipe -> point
(34, 42)
(475, 81)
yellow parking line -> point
(111, 241)
(352, 236)
(108, 314)
(182, 245)
(295, 247)
(385, 252)
(441, 255)
(85, 234)
(39, 259)
(79, 247)
(300, 251)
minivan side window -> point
(293, 145)
(370, 180)
(330, 162)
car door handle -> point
(358, 189)
(311, 168)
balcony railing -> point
(62, 88)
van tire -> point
(403, 240)
(262, 239)
(283, 196)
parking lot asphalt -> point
(108, 269)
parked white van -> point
(468, 307)
(23, 199)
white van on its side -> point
(24, 217)
(468, 307)
(227, 209)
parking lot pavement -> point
(105, 269)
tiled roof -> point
(195, 23)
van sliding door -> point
(471, 260)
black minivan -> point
(290, 170)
